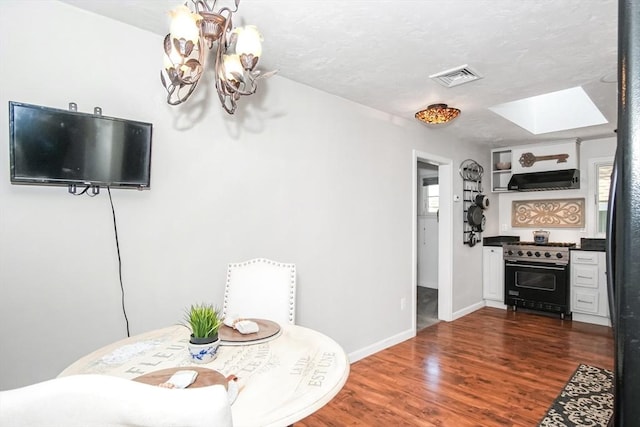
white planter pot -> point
(204, 353)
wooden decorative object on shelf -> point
(548, 213)
(528, 159)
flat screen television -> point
(48, 146)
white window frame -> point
(594, 164)
(426, 196)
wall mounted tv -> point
(49, 146)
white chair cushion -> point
(101, 400)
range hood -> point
(566, 179)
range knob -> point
(558, 255)
(529, 253)
(537, 254)
(520, 253)
(547, 254)
(509, 252)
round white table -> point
(281, 381)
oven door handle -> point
(535, 266)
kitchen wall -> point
(297, 175)
(589, 150)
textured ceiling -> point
(381, 53)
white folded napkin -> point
(247, 327)
(230, 320)
(180, 379)
(243, 326)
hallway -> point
(427, 307)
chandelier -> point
(237, 53)
(437, 114)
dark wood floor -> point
(490, 368)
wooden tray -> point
(206, 376)
(268, 330)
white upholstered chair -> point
(261, 289)
(102, 400)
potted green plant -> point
(204, 320)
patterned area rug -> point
(586, 400)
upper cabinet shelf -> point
(501, 164)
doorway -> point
(443, 244)
(427, 245)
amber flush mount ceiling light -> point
(437, 114)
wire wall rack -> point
(474, 202)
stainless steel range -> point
(551, 253)
(537, 276)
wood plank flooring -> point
(490, 368)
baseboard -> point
(381, 345)
(495, 304)
(586, 318)
(467, 310)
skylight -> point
(551, 112)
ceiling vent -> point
(456, 76)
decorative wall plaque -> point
(548, 213)
(528, 159)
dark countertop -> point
(499, 240)
(586, 244)
(587, 249)
(593, 245)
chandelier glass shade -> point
(237, 53)
(437, 114)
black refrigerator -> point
(623, 227)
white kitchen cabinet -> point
(493, 276)
(589, 299)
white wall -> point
(588, 150)
(427, 239)
(296, 175)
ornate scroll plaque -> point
(559, 213)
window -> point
(603, 181)
(431, 196)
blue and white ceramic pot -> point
(203, 352)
